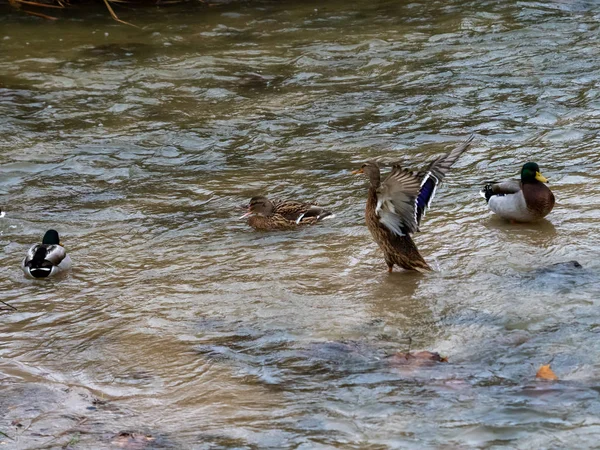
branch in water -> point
(114, 16)
(10, 306)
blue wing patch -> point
(426, 194)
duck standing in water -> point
(265, 215)
(396, 206)
(527, 200)
(46, 259)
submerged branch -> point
(10, 306)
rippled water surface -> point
(181, 325)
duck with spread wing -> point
(396, 206)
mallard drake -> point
(396, 206)
(264, 214)
(527, 200)
(46, 259)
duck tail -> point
(317, 212)
(423, 269)
(37, 266)
(38, 257)
(325, 215)
(487, 192)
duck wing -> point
(291, 210)
(405, 195)
(397, 201)
(31, 253)
(434, 174)
(501, 188)
(298, 211)
(55, 254)
(42, 255)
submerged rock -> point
(566, 265)
(423, 358)
(561, 267)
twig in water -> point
(43, 16)
(41, 5)
(6, 435)
(115, 17)
(10, 306)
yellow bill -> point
(540, 177)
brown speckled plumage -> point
(398, 250)
(266, 215)
(396, 206)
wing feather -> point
(31, 252)
(506, 187)
(291, 210)
(396, 201)
(404, 196)
(500, 189)
(55, 254)
(434, 175)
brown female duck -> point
(396, 206)
(265, 215)
(525, 201)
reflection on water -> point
(180, 327)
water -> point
(185, 327)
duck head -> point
(51, 238)
(371, 170)
(260, 206)
(530, 173)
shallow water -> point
(180, 324)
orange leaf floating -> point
(545, 373)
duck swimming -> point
(396, 206)
(47, 259)
(527, 200)
(265, 215)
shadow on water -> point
(538, 233)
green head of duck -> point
(531, 173)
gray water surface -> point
(184, 326)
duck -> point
(266, 215)
(396, 206)
(47, 259)
(527, 200)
